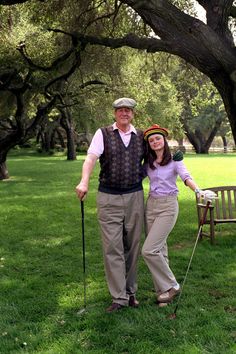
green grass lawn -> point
(41, 290)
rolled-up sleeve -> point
(182, 171)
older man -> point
(120, 200)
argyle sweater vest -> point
(121, 166)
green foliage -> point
(157, 99)
(202, 104)
(187, 6)
(41, 267)
(166, 92)
(207, 108)
(166, 106)
(18, 27)
(27, 24)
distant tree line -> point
(59, 74)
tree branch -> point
(190, 50)
(105, 16)
(14, 2)
(7, 125)
(91, 82)
(6, 79)
(42, 111)
(233, 11)
(54, 65)
(130, 40)
(76, 63)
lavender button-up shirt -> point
(163, 178)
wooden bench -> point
(223, 209)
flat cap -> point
(124, 102)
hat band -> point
(154, 131)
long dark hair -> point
(150, 155)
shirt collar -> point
(131, 129)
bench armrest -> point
(204, 206)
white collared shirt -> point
(97, 145)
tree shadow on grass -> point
(42, 276)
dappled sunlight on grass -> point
(16, 179)
(41, 268)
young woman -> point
(162, 210)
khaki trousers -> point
(161, 214)
(121, 221)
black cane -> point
(173, 315)
(83, 248)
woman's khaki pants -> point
(121, 220)
(161, 214)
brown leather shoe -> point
(114, 307)
(133, 302)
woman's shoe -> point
(169, 295)
(162, 304)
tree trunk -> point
(224, 143)
(47, 141)
(60, 137)
(66, 123)
(6, 144)
(227, 91)
(71, 149)
(52, 140)
(3, 166)
(181, 146)
(3, 171)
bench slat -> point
(223, 209)
(234, 192)
(218, 221)
(230, 205)
(223, 205)
(217, 205)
